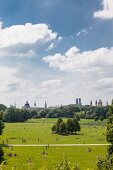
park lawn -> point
(38, 131)
(75, 154)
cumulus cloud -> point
(107, 10)
(8, 79)
(75, 60)
(21, 40)
(105, 84)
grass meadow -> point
(39, 132)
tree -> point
(76, 125)
(96, 118)
(62, 128)
(101, 118)
(109, 134)
(76, 116)
(58, 124)
(2, 107)
(110, 120)
(1, 130)
(1, 127)
(42, 113)
(70, 126)
(1, 154)
(53, 128)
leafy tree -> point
(1, 155)
(101, 118)
(1, 130)
(62, 128)
(70, 126)
(109, 134)
(110, 120)
(76, 116)
(53, 128)
(2, 107)
(1, 127)
(58, 124)
(42, 113)
(76, 125)
(96, 118)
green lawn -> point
(55, 154)
(39, 132)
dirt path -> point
(97, 144)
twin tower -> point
(78, 101)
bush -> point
(101, 118)
(1, 155)
(96, 118)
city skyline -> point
(56, 50)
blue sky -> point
(56, 51)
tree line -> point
(12, 114)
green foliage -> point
(53, 128)
(71, 126)
(42, 113)
(101, 118)
(12, 114)
(109, 133)
(76, 125)
(110, 150)
(1, 127)
(105, 164)
(96, 118)
(64, 165)
(77, 117)
(110, 120)
(2, 107)
(58, 124)
(1, 155)
(62, 128)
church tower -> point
(35, 104)
(45, 105)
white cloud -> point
(51, 83)
(105, 84)
(51, 46)
(21, 40)
(82, 32)
(8, 79)
(1, 24)
(107, 10)
(74, 60)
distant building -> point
(107, 104)
(78, 102)
(45, 105)
(34, 104)
(91, 103)
(26, 106)
(100, 103)
(96, 103)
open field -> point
(38, 132)
(74, 154)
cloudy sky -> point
(55, 51)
